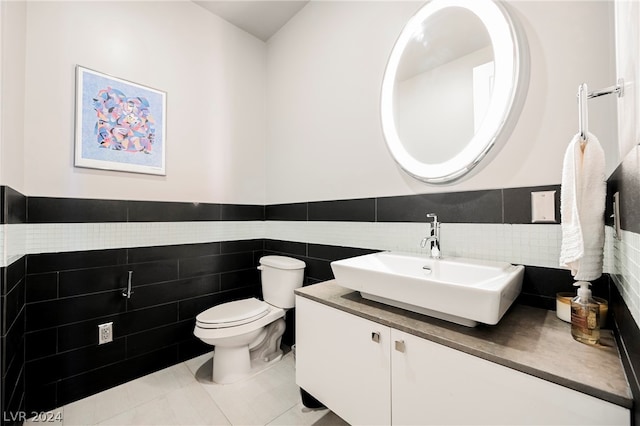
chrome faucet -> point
(434, 237)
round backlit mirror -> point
(453, 88)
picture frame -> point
(119, 125)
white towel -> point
(582, 203)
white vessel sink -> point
(463, 291)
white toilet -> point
(247, 333)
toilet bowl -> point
(247, 333)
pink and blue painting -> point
(120, 125)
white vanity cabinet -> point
(434, 384)
(343, 360)
(403, 379)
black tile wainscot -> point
(626, 180)
(69, 294)
(12, 316)
(52, 303)
(511, 205)
(12, 325)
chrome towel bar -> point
(584, 94)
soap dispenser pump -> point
(585, 315)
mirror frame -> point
(511, 79)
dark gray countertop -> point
(526, 339)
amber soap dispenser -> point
(585, 315)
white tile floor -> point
(184, 395)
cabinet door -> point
(343, 361)
(434, 384)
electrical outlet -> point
(105, 333)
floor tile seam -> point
(95, 421)
(281, 414)
(209, 395)
(184, 386)
(298, 404)
(216, 404)
(126, 410)
(224, 412)
(203, 385)
(141, 403)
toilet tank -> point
(280, 276)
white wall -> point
(627, 15)
(626, 268)
(12, 85)
(322, 74)
(214, 76)
(325, 70)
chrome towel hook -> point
(126, 292)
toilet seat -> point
(232, 314)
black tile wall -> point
(148, 211)
(628, 338)
(169, 291)
(149, 254)
(626, 180)
(290, 248)
(242, 246)
(51, 262)
(241, 212)
(517, 203)
(14, 206)
(52, 303)
(540, 285)
(150, 340)
(331, 253)
(61, 311)
(317, 257)
(361, 210)
(486, 206)
(75, 210)
(511, 205)
(451, 207)
(69, 294)
(41, 287)
(294, 211)
(12, 342)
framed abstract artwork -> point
(120, 125)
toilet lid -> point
(282, 262)
(233, 313)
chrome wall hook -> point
(127, 292)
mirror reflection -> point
(443, 85)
